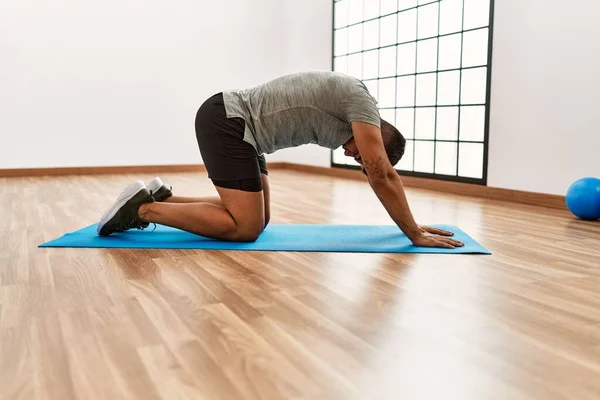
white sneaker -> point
(123, 213)
(159, 190)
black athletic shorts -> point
(231, 163)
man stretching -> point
(236, 128)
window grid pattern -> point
(427, 64)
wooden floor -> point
(523, 323)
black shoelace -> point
(136, 223)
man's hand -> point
(434, 237)
(435, 231)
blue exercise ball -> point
(583, 198)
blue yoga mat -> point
(284, 237)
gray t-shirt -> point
(311, 107)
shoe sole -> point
(128, 193)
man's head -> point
(393, 141)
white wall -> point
(91, 84)
(116, 82)
(545, 113)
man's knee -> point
(246, 234)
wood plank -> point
(333, 385)
(170, 378)
(165, 320)
(86, 360)
(210, 379)
(16, 370)
(119, 348)
(52, 368)
(245, 356)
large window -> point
(428, 65)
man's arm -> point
(387, 185)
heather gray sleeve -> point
(360, 106)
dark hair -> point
(393, 141)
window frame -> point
(453, 178)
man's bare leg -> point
(267, 198)
(240, 218)
(215, 200)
